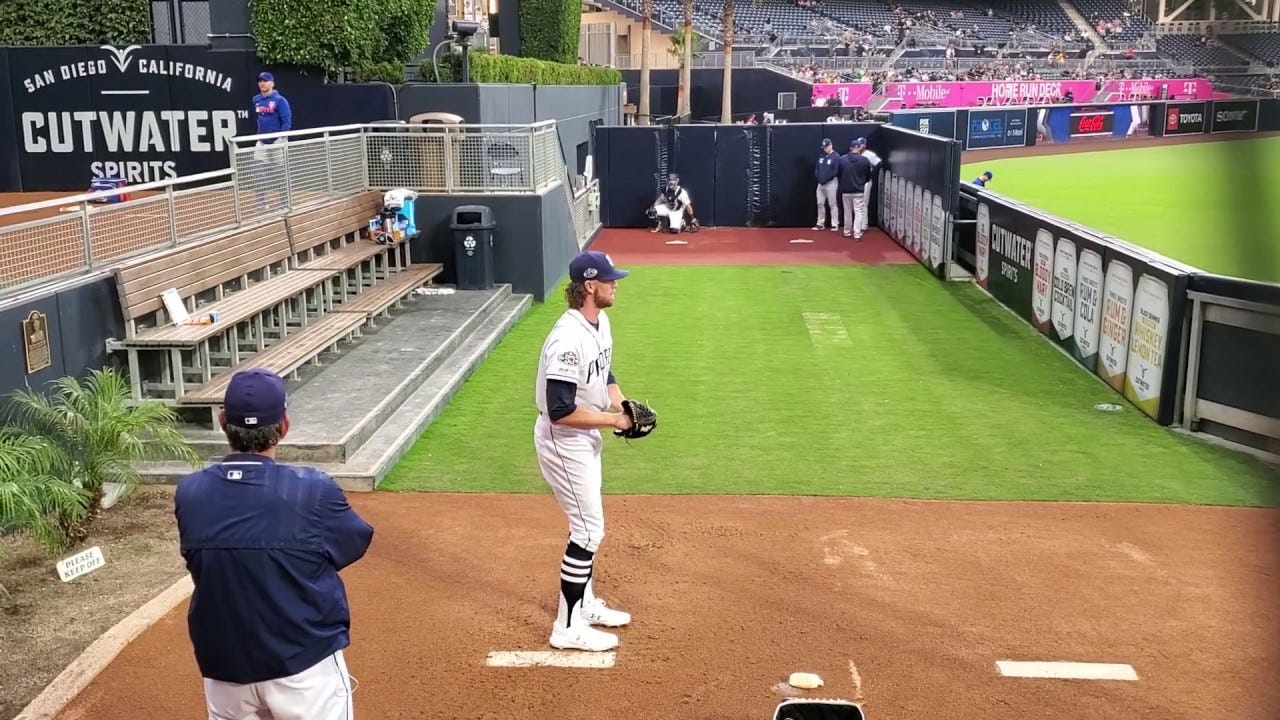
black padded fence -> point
(756, 175)
(917, 193)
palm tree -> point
(685, 46)
(99, 435)
(686, 69)
(646, 20)
(36, 495)
(726, 93)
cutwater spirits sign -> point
(141, 113)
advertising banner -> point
(849, 94)
(1124, 91)
(1185, 118)
(1091, 122)
(941, 123)
(980, 94)
(937, 234)
(916, 216)
(1118, 314)
(1234, 116)
(996, 128)
(142, 113)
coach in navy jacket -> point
(264, 542)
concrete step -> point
(404, 423)
(338, 405)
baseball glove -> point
(643, 420)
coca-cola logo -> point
(1092, 124)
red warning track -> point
(751, 246)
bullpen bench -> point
(285, 291)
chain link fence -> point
(272, 175)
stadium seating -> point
(1135, 25)
(1263, 46)
(1188, 48)
(1046, 16)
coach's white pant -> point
(828, 194)
(570, 463)
(321, 692)
(860, 226)
(855, 213)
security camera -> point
(465, 28)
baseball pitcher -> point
(578, 396)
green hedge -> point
(75, 22)
(368, 36)
(549, 29)
(509, 69)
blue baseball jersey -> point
(273, 113)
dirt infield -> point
(751, 246)
(1083, 146)
(916, 600)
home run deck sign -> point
(141, 112)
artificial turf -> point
(831, 380)
(1213, 205)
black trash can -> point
(473, 227)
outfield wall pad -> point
(1004, 127)
(762, 176)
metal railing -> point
(77, 234)
(271, 175)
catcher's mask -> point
(673, 182)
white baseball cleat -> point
(581, 636)
(596, 612)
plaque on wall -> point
(35, 340)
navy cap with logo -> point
(594, 265)
(266, 76)
(859, 142)
(826, 142)
(255, 398)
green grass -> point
(939, 393)
(1212, 205)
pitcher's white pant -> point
(828, 194)
(855, 213)
(570, 462)
(321, 692)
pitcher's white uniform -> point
(575, 352)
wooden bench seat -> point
(313, 230)
(235, 308)
(199, 268)
(346, 257)
(378, 298)
(285, 357)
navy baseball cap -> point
(255, 398)
(592, 265)
(826, 142)
(859, 142)
(266, 76)
(989, 174)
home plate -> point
(550, 658)
(1067, 670)
(677, 242)
(801, 241)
